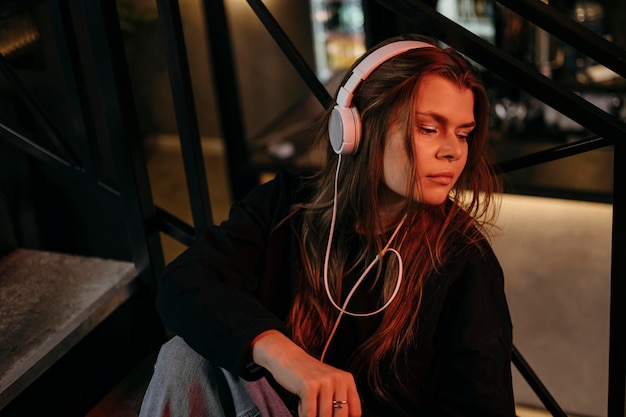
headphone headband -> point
(370, 63)
(345, 121)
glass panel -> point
(338, 34)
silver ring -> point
(339, 404)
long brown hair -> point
(429, 236)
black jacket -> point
(237, 282)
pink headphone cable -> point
(343, 309)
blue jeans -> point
(185, 384)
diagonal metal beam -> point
(32, 148)
(509, 68)
(38, 113)
(556, 23)
(553, 154)
(535, 383)
(291, 52)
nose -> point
(450, 148)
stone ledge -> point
(49, 302)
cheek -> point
(397, 170)
(462, 166)
(465, 156)
(393, 168)
(395, 157)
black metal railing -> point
(110, 156)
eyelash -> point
(430, 131)
(427, 131)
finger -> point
(307, 407)
(354, 402)
(341, 406)
(325, 401)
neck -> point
(390, 207)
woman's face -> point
(443, 120)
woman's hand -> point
(316, 383)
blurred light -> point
(17, 32)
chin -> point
(434, 200)
(436, 203)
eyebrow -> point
(444, 120)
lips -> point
(444, 178)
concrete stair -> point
(48, 303)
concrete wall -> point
(556, 256)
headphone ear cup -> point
(345, 130)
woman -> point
(367, 288)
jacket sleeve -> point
(209, 295)
(475, 336)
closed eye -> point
(425, 130)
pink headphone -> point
(344, 126)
